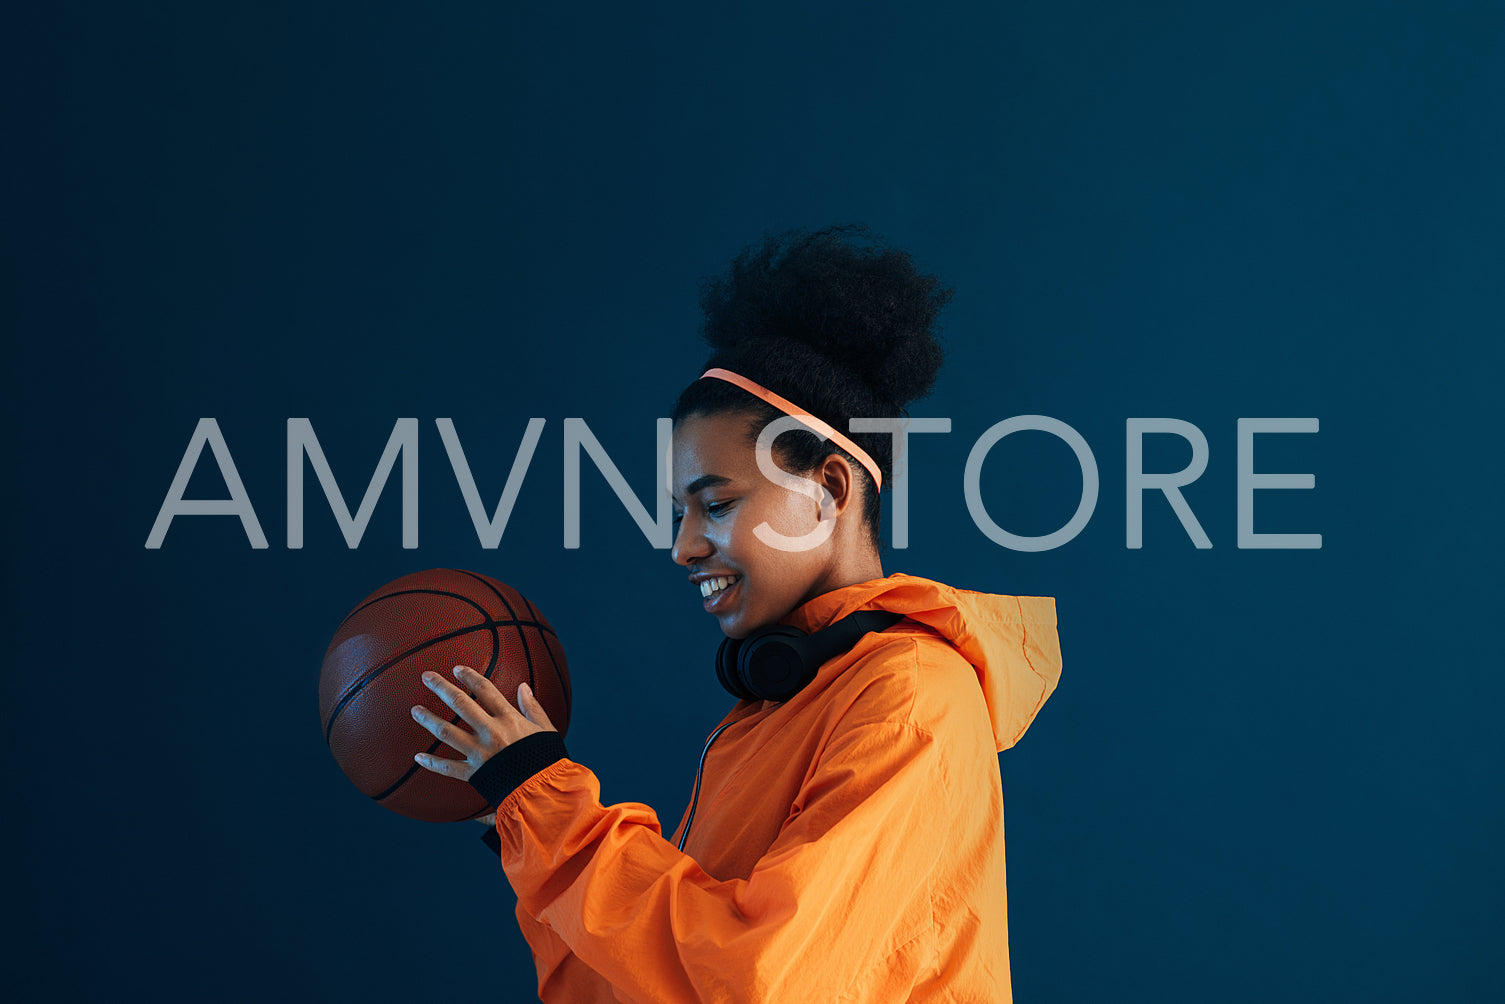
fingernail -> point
(459, 670)
(429, 677)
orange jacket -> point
(848, 843)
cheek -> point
(789, 514)
(792, 514)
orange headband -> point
(757, 390)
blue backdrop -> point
(1266, 774)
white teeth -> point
(717, 584)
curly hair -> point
(835, 320)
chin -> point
(732, 628)
(739, 626)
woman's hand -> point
(495, 724)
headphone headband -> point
(778, 661)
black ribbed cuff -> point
(501, 775)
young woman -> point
(845, 838)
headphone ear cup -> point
(771, 664)
(726, 668)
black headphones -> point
(776, 662)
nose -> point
(690, 544)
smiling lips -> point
(713, 587)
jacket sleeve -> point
(562, 977)
(842, 896)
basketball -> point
(371, 678)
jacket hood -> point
(1011, 641)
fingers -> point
(459, 701)
(495, 723)
(460, 769)
(532, 709)
(485, 692)
(447, 732)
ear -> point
(837, 476)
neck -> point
(848, 570)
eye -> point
(711, 508)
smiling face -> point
(720, 497)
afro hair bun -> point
(839, 296)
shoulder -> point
(910, 675)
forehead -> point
(711, 445)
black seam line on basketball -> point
(522, 636)
(532, 681)
(569, 694)
(564, 683)
(417, 590)
(485, 614)
(362, 683)
(413, 768)
(439, 592)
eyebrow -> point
(705, 481)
